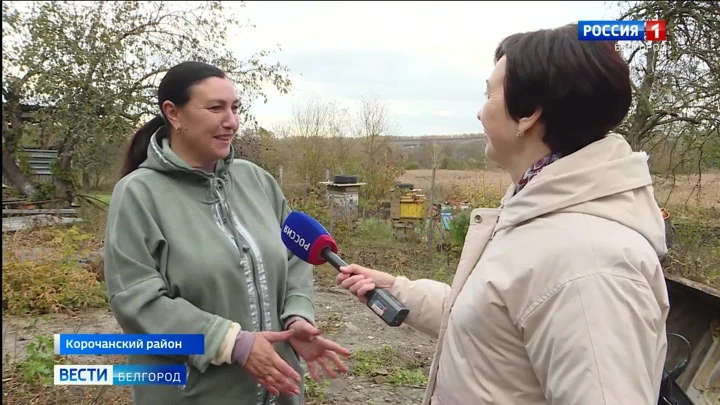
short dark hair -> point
(582, 87)
(174, 87)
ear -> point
(172, 113)
(526, 123)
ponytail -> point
(137, 150)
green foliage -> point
(374, 229)
(23, 160)
(41, 273)
(315, 389)
(43, 192)
(371, 242)
(414, 165)
(451, 163)
(458, 229)
(94, 66)
(67, 174)
(37, 369)
(386, 362)
(711, 158)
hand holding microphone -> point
(309, 241)
(361, 280)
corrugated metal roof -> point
(39, 161)
(12, 224)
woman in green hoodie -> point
(193, 246)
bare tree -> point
(259, 146)
(317, 138)
(436, 156)
(372, 127)
(676, 105)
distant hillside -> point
(447, 141)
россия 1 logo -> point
(653, 30)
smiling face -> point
(206, 125)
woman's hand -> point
(316, 350)
(268, 368)
(361, 280)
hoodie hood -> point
(605, 179)
(161, 158)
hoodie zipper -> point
(243, 247)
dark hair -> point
(174, 87)
(582, 87)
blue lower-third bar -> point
(127, 374)
(127, 344)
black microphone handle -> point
(387, 307)
(337, 262)
(333, 259)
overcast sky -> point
(427, 60)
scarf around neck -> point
(535, 169)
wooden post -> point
(280, 175)
(331, 200)
(431, 226)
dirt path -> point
(341, 317)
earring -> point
(519, 134)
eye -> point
(235, 108)
(216, 108)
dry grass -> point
(693, 202)
(488, 182)
(702, 191)
(678, 190)
(42, 272)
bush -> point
(37, 368)
(412, 165)
(458, 229)
(42, 274)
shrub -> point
(42, 274)
(458, 229)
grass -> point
(42, 272)
(373, 245)
(103, 196)
(679, 190)
(37, 368)
(692, 200)
(387, 365)
(52, 281)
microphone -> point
(308, 240)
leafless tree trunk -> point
(435, 157)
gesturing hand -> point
(268, 368)
(316, 349)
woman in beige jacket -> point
(559, 297)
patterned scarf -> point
(535, 169)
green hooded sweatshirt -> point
(191, 252)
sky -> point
(427, 61)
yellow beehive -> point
(408, 205)
(412, 206)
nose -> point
(231, 120)
(479, 114)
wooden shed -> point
(695, 314)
